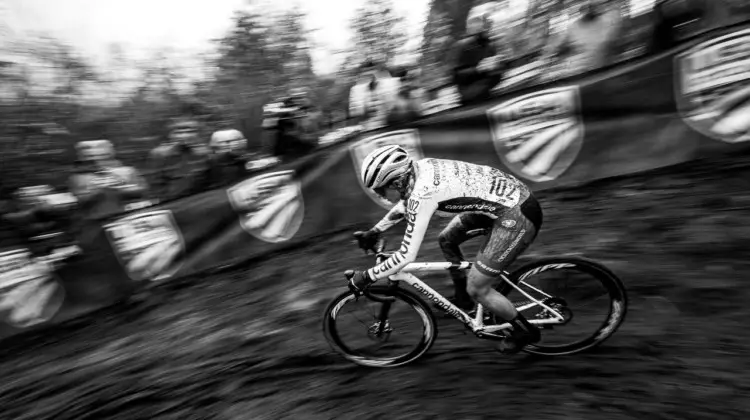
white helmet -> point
(383, 165)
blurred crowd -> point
(497, 53)
(101, 186)
(500, 52)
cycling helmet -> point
(384, 165)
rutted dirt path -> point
(248, 344)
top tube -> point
(435, 266)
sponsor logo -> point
(270, 206)
(29, 293)
(388, 264)
(512, 246)
(539, 135)
(435, 172)
(713, 87)
(508, 224)
(148, 245)
(408, 139)
(484, 267)
(471, 207)
(411, 218)
(447, 307)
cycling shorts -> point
(511, 233)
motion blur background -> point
(109, 107)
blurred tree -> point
(378, 33)
(258, 61)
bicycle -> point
(554, 311)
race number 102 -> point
(502, 188)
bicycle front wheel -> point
(591, 299)
(379, 335)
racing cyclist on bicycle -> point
(485, 198)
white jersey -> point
(447, 187)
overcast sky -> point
(141, 26)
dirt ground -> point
(248, 344)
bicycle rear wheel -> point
(381, 326)
(593, 285)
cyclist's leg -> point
(462, 228)
(510, 236)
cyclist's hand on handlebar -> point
(368, 240)
(358, 281)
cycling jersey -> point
(446, 187)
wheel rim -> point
(593, 316)
(363, 339)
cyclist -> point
(484, 197)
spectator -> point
(102, 184)
(409, 102)
(373, 96)
(590, 41)
(227, 160)
(478, 67)
(177, 165)
(675, 20)
(292, 126)
(34, 221)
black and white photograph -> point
(374, 209)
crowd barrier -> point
(664, 110)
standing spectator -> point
(373, 96)
(227, 160)
(590, 41)
(29, 218)
(101, 183)
(478, 66)
(675, 20)
(292, 126)
(177, 165)
(409, 102)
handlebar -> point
(366, 292)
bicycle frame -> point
(476, 324)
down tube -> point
(435, 297)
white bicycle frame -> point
(477, 323)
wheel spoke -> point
(567, 286)
(408, 332)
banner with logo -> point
(660, 111)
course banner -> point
(656, 112)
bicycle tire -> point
(429, 334)
(618, 305)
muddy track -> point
(247, 344)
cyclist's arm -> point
(394, 217)
(418, 215)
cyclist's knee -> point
(446, 241)
(479, 285)
(449, 245)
